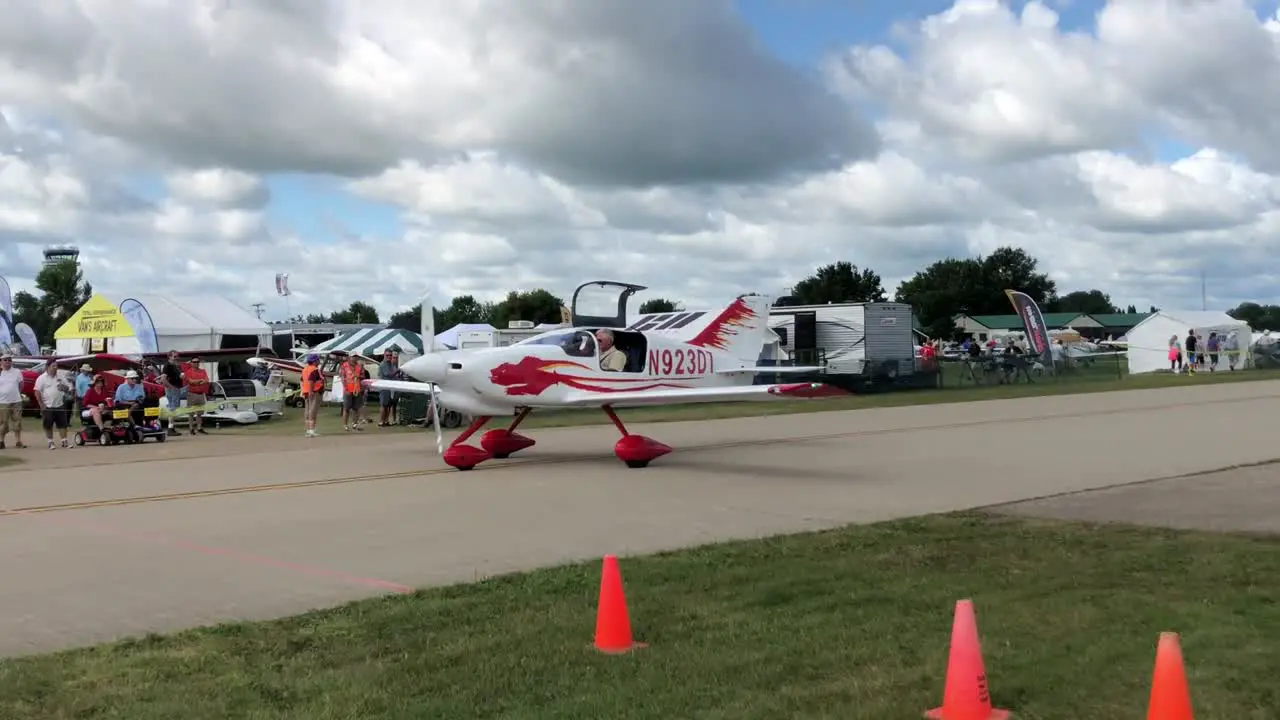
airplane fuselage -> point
(549, 370)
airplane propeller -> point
(428, 333)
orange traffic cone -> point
(613, 625)
(1170, 697)
(966, 696)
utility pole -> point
(1204, 305)
(258, 309)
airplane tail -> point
(738, 330)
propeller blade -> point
(435, 420)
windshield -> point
(579, 343)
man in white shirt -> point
(10, 401)
(51, 393)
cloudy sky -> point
(379, 149)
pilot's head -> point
(604, 338)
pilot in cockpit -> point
(611, 358)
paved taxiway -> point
(100, 543)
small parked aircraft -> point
(690, 356)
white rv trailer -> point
(515, 331)
(867, 339)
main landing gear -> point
(496, 443)
(636, 451)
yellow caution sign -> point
(98, 318)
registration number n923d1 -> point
(681, 361)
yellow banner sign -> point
(98, 318)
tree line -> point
(937, 293)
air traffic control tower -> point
(61, 253)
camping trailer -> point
(857, 341)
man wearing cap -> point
(10, 401)
(130, 392)
(51, 393)
(197, 392)
(83, 381)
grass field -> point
(851, 623)
(955, 389)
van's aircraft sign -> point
(97, 318)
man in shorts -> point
(51, 393)
(171, 378)
(312, 393)
(352, 377)
(10, 401)
(389, 369)
(197, 394)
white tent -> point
(449, 338)
(193, 322)
(1149, 340)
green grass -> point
(852, 623)
(956, 387)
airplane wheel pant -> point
(637, 450)
(502, 443)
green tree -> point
(536, 306)
(462, 309)
(358, 312)
(973, 286)
(63, 291)
(1085, 301)
(1131, 309)
(1259, 317)
(659, 305)
(839, 282)
(941, 291)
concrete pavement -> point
(284, 526)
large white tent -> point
(190, 322)
(1148, 349)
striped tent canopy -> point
(373, 342)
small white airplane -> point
(691, 356)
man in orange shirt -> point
(312, 392)
(197, 379)
(352, 393)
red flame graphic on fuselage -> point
(718, 332)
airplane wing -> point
(735, 393)
(101, 362)
(769, 369)
(226, 355)
(408, 386)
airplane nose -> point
(426, 368)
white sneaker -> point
(66, 445)
(52, 446)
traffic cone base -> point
(966, 696)
(613, 624)
(995, 714)
(620, 651)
